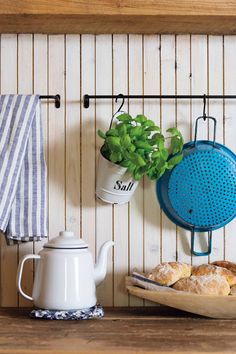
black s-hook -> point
(204, 107)
(123, 101)
(119, 109)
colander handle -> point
(196, 127)
(209, 244)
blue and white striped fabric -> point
(23, 211)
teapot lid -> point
(66, 240)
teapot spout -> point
(100, 268)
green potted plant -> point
(133, 148)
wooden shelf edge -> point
(118, 16)
(83, 24)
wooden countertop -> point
(122, 330)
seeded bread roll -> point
(169, 273)
(226, 264)
(204, 285)
(207, 269)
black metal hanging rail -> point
(204, 97)
(57, 99)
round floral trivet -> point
(85, 314)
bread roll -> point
(226, 264)
(233, 290)
(204, 285)
(207, 269)
(169, 273)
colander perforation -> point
(202, 188)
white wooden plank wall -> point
(73, 65)
(168, 119)
(136, 237)
(121, 212)
(104, 211)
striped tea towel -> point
(139, 279)
(23, 212)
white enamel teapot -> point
(65, 277)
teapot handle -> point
(20, 271)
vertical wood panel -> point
(25, 86)
(199, 86)
(56, 163)
(40, 82)
(88, 158)
(152, 111)
(121, 212)
(151, 213)
(104, 211)
(8, 254)
(230, 128)
(183, 111)
(215, 61)
(136, 203)
(167, 121)
(72, 133)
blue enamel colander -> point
(199, 194)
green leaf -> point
(131, 167)
(158, 165)
(136, 131)
(140, 118)
(164, 154)
(177, 140)
(155, 174)
(141, 152)
(158, 136)
(101, 134)
(153, 128)
(112, 132)
(126, 141)
(158, 139)
(137, 175)
(173, 131)
(150, 173)
(174, 161)
(115, 157)
(176, 144)
(149, 123)
(160, 144)
(143, 145)
(124, 117)
(122, 128)
(131, 148)
(125, 163)
(137, 159)
(156, 155)
(145, 136)
(162, 171)
(113, 143)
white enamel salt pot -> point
(65, 276)
(114, 184)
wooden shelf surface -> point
(122, 330)
(118, 16)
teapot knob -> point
(66, 234)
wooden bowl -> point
(205, 305)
